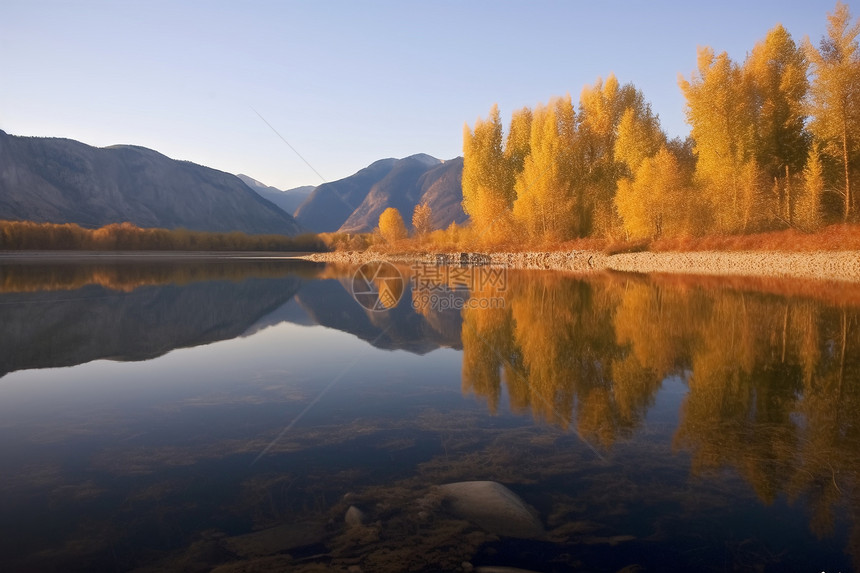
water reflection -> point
(66, 314)
(677, 420)
(774, 383)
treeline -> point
(774, 144)
(25, 235)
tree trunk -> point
(845, 164)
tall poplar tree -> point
(653, 203)
(546, 205)
(602, 108)
(488, 190)
(776, 70)
(835, 94)
(721, 113)
(517, 145)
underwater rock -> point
(354, 516)
(493, 507)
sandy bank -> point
(829, 265)
(822, 265)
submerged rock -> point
(354, 516)
(493, 507)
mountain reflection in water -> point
(662, 423)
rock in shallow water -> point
(493, 507)
(354, 516)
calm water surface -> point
(190, 416)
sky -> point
(297, 93)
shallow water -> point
(202, 414)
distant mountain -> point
(353, 204)
(442, 189)
(399, 189)
(331, 204)
(65, 181)
(288, 200)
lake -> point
(227, 414)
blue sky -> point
(345, 83)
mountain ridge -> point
(61, 180)
(287, 199)
(353, 204)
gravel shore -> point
(822, 265)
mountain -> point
(353, 204)
(331, 204)
(442, 189)
(288, 200)
(65, 181)
(398, 189)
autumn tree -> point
(652, 203)
(422, 219)
(639, 137)
(517, 144)
(835, 93)
(488, 190)
(776, 73)
(602, 108)
(808, 208)
(391, 225)
(545, 204)
(721, 113)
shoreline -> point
(841, 266)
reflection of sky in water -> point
(281, 364)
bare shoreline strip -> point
(819, 265)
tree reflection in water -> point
(773, 382)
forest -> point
(774, 145)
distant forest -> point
(774, 144)
(23, 235)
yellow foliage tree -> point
(721, 113)
(422, 219)
(808, 206)
(776, 71)
(391, 225)
(835, 94)
(488, 190)
(545, 204)
(652, 203)
(602, 108)
(639, 137)
(517, 145)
